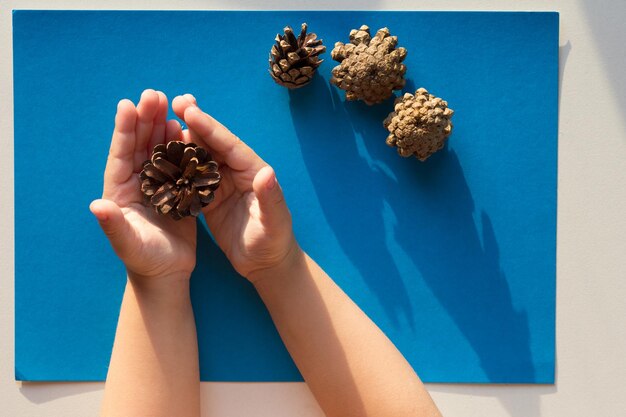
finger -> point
(173, 131)
(146, 112)
(274, 211)
(191, 98)
(221, 141)
(190, 136)
(179, 105)
(160, 123)
(115, 226)
(119, 165)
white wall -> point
(591, 254)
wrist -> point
(159, 279)
(293, 258)
(168, 288)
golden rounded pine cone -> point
(419, 124)
(370, 69)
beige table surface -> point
(591, 254)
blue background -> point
(453, 258)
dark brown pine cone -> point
(179, 179)
(293, 61)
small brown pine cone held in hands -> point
(293, 60)
(179, 179)
(370, 68)
(419, 124)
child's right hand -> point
(249, 217)
(154, 248)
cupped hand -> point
(150, 245)
(249, 217)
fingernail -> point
(102, 218)
(271, 183)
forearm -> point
(154, 365)
(351, 367)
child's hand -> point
(248, 218)
(150, 245)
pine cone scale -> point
(210, 166)
(284, 65)
(206, 180)
(185, 200)
(292, 57)
(190, 168)
(188, 153)
(166, 167)
(152, 172)
(206, 196)
(163, 194)
(306, 70)
(174, 152)
(291, 38)
(312, 38)
(147, 188)
(195, 206)
(201, 153)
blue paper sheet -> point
(453, 258)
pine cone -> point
(293, 61)
(419, 124)
(179, 179)
(371, 68)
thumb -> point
(113, 224)
(274, 211)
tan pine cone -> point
(293, 61)
(370, 68)
(419, 124)
(179, 179)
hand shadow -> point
(359, 228)
(234, 327)
(455, 257)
